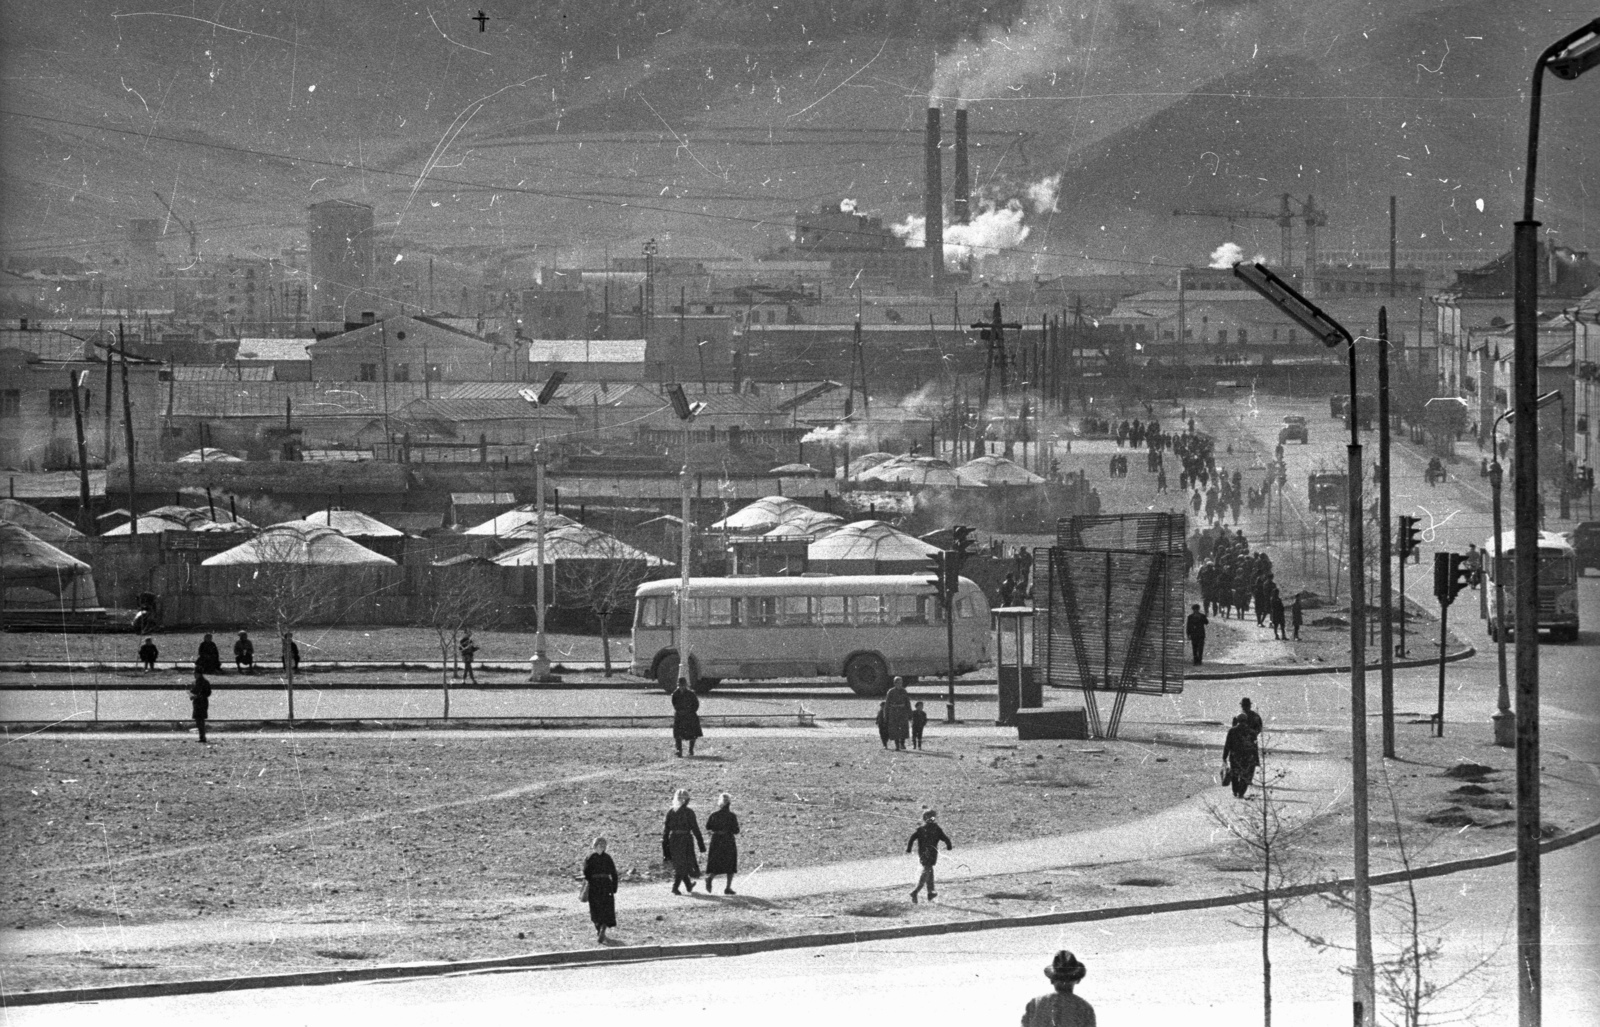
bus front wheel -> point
(867, 674)
(667, 674)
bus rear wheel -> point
(867, 674)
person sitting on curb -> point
(244, 654)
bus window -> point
(913, 609)
(871, 611)
(831, 610)
(794, 610)
(720, 611)
(761, 612)
(657, 612)
(697, 612)
(963, 607)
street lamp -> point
(1567, 58)
(1311, 317)
(686, 412)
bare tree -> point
(458, 598)
(1415, 943)
(1260, 829)
(287, 589)
(600, 580)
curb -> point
(645, 953)
(1295, 672)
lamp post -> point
(686, 412)
(1309, 316)
(1567, 58)
(1505, 721)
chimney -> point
(962, 201)
(369, 317)
(933, 198)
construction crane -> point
(188, 226)
(1313, 216)
(1283, 216)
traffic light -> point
(1451, 574)
(946, 579)
(1410, 537)
(938, 579)
(963, 546)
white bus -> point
(866, 628)
(1558, 585)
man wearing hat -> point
(1060, 1008)
(244, 654)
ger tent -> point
(869, 547)
(299, 542)
(36, 522)
(760, 516)
(575, 542)
(995, 470)
(915, 470)
(353, 524)
(34, 574)
(518, 523)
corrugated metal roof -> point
(589, 394)
(586, 351)
(273, 349)
(482, 410)
(258, 399)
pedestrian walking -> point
(1474, 565)
(1240, 756)
(1195, 628)
(468, 649)
(919, 720)
(1161, 480)
(244, 654)
(723, 858)
(148, 654)
(679, 839)
(883, 724)
(685, 717)
(200, 702)
(1008, 589)
(1276, 608)
(897, 712)
(1061, 1008)
(925, 840)
(1297, 616)
(209, 658)
(600, 888)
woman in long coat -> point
(600, 874)
(209, 659)
(897, 712)
(724, 855)
(679, 839)
(685, 717)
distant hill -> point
(584, 126)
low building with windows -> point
(413, 348)
(39, 372)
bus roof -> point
(801, 585)
(1547, 540)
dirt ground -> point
(439, 840)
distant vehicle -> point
(1294, 429)
(867, 628)
(1558, 584)
(1366, 407)
(1586, 542)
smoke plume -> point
(1045, 194)
(1226, 255)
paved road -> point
(1196, 968)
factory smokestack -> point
(962, 201)
(933, 198)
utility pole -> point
(993, 332)
(127, 432)
(1386, 604)
(85, 519)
